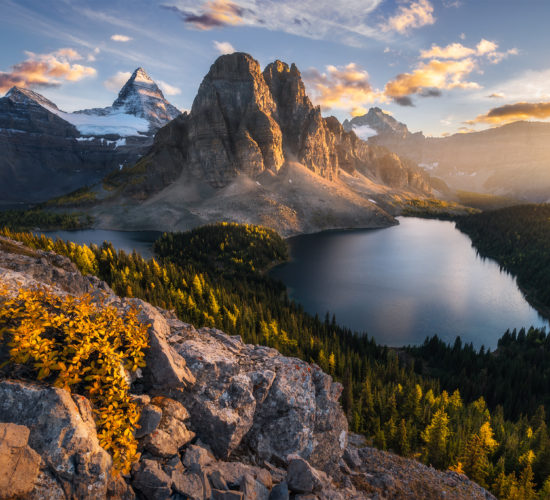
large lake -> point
(398, 284)
(402, 283)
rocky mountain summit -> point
(141, 97)
(374, 122)
(255, 148)
(247, 121)
(219, 420)
(48, 152)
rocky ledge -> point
(219, 420)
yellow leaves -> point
(458, 468)
(486, 436)
(75, 344)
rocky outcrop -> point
(219, 420)
(252, 400)
(384, 475)
(62, 451)
(247, 122)
(19, 463)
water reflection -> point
(405, 282)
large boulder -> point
(165, 369)
(19, 463)
(63, 434)
(253, 399)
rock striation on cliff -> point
(219, 420)
(245, 121)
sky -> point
(440, 66)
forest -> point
(518, 238)
(33, 218)
(217, 276)
(515, 376)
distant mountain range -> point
(511, 160)
(48, 152)
(254, 149)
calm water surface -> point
(405, 282)
(141, 241)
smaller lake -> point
(140, 241)
(403, 283)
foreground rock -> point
(220, 420)
(57, 443)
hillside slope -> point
(218, 418)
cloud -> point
(496, 95)
(212, 14)
(168, 89)
(447, 68)
(344, 21)
(342, 87)
(121, 38)
(429, 77)
(484, 48)
(417, 14)
(514, 112)
(115, 83)
(452, 51)
(92, 56)
(224, 47)
(364, 131)
(529, 86)
(358, 111)
(45, 70)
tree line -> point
(216, 276)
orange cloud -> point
(45, 70)
(430, 77)
(452, 51)
(514, 112)
(213, 14)
(417, 14)
(343, 87)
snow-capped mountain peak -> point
(376, 121)
(22, 95)
(139, 110)
(142, 97)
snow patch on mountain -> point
(113, 123)
(364, 132)
(140, 109)
(378, 121)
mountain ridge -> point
(49, 152)
(249, 150)
(508, 160)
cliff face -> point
(247, 122)
(43, 155)
(219, 419)
(231, 125)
